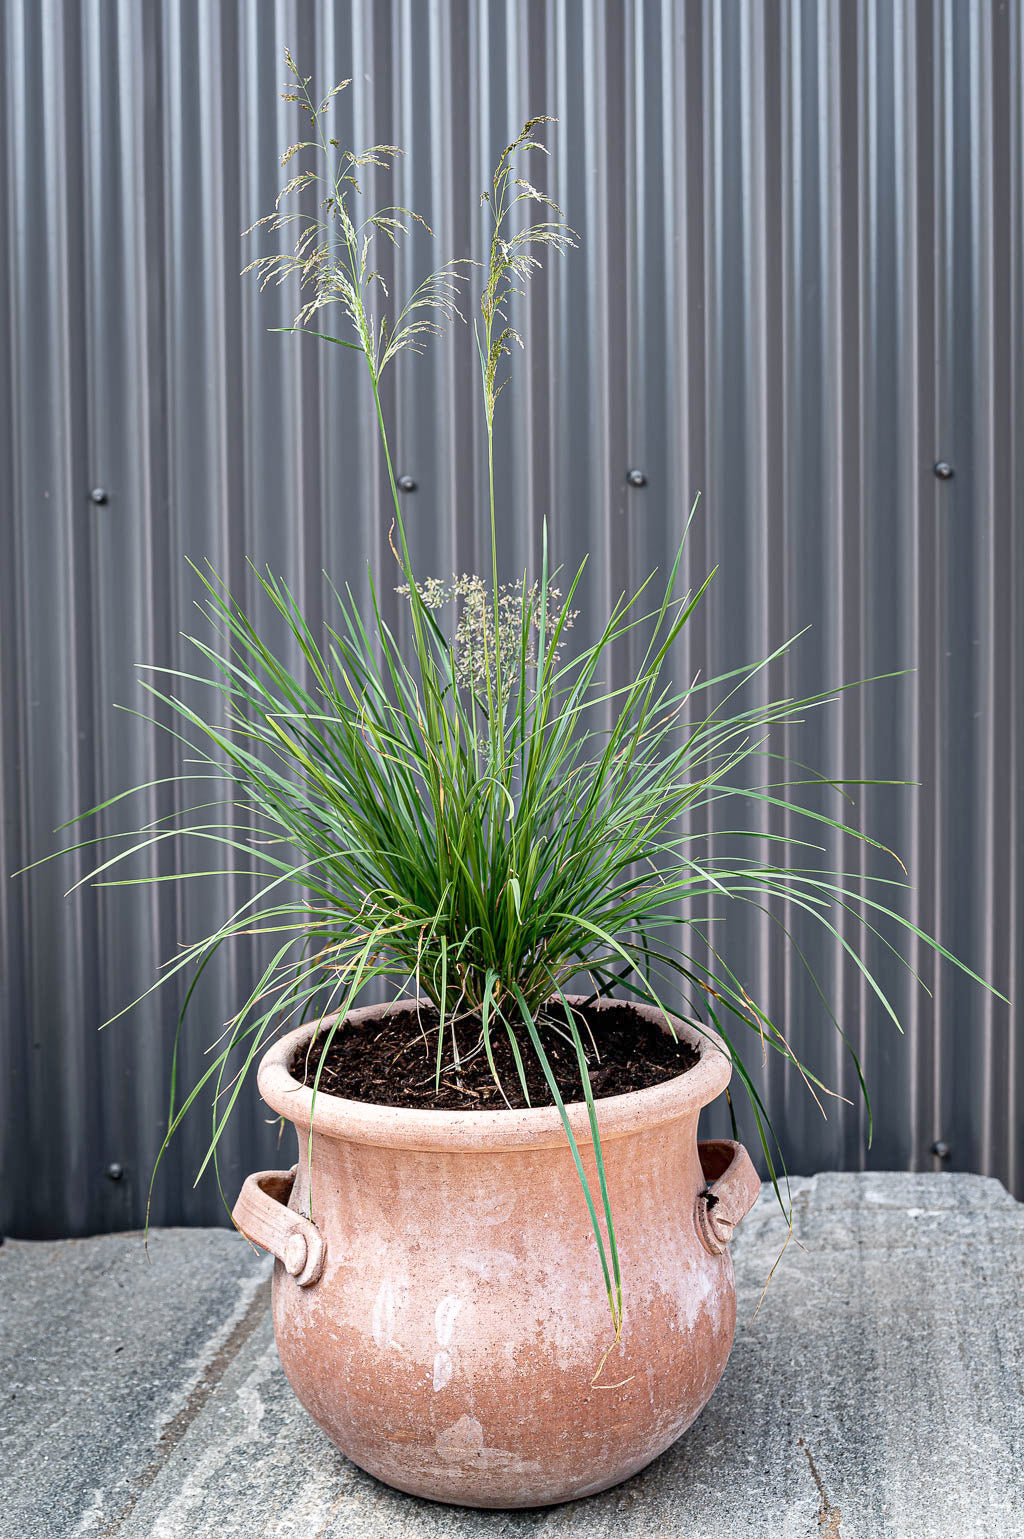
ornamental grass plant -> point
(477, 818)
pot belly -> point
(466, 1373)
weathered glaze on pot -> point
(443, 1316)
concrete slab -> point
(876, 1395)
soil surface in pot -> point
(391, 1062)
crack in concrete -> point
(828, 1514)
(175, 1430)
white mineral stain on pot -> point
(444, 1318)
(716, 1305)
(383, 1320)
(493, 1208)
(496, 1266)
(695, 1297)
(444, 1327)
(442, 1370)
(463, 1444)
(464, 1437)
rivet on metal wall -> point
(114, 1171)
(99, 496)
(941, 1149)
(406, 484)
(636, 478)
(944, 470)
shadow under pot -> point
(442, 1314)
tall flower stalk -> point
(512, 261)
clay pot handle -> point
(263, 1217)
(732, 1187)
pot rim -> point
(537, 1127)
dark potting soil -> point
(391, 1061)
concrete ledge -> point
(877, 1394)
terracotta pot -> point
(443, 1315)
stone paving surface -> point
(877, 1394)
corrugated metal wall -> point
(799, 286)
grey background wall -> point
(799, 286)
